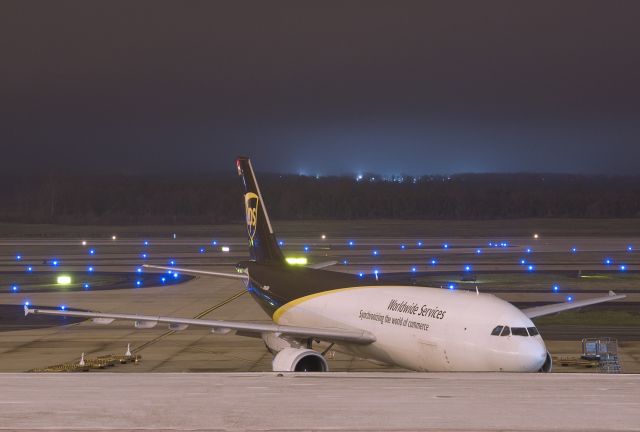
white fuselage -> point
(424, 329)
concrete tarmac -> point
(328, 401)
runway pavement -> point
(327, 401)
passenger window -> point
(505, 331)
(496, 331)
(519, 331)
(533, 331)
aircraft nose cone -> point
(538, 354)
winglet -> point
(27, 311)
(611, 293)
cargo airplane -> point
(417, 328)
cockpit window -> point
(496, 331)
(533, 331)
(505, 331)
(519, 331)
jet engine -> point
(548, 364)
(299, 360)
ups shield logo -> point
(251, 208)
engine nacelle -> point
(299, 360)
(548, 364)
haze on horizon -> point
(406, 87)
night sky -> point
(320, 87)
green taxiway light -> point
(296, 261)
(64, 280)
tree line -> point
(155, 199)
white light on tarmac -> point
(225, 248)
(535, 236)
(323, 236)
(113, 237)
(84, 242)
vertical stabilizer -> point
(263, 246)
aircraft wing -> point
(199, 272)
(218, 327)
(321, 265)
(559, 307)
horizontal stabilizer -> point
(198, 272)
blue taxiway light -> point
(144, 256)
(478, 251)
(452, 286)
(413, 269)
(214, 242)
(490, 244)
(467, 268)
(374, 253)
(528, 250)
(345, 262)
(445, 246)
(434, 261)
(86, 286)
(138, 283)
(402, 246)
(280, 242)
(574, 249)
(139, 269)
(29, 269)
(419, 244)
(92, 251)
(530, 267)
(569, 298)
(55, 263)
(175, 275)
(63, 307)
(163, 279)
(90, 269)
(523, 261)
(630, 248)
(27, 303)
(306, 248)
(146, 243)
(556, 288)
(14, 288)
(360, 274)
(623, 267)
(18, 257)
(608, 261)
(351, 243)
(202, 250)
(172, 262)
